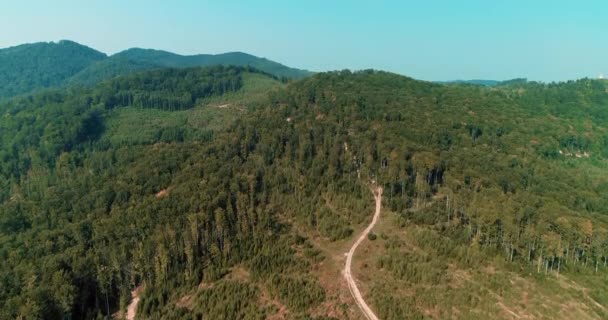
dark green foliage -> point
(168, 59)
(31, 67)
(28, 67)
(92, 206)
(170, 89)
(50, 123)
(229, 301)
(132, 60)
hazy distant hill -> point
(27, 67)
(30, 67)
(487, 83)
(223, 187)
(145, 59)
(480, 82)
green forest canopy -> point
(32, 67)
(83, 221)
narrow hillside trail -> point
(352, 285)
(132, 308)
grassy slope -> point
(168, 59)
(437, 286)
(433, 284)
(142, 126)
(448, 289)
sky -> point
(544, 40)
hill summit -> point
(30, 67)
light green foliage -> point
(133, 125)
(300, 294)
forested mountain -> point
(479, 82)
(486, 83)
(490, 195)
(41, 65)
(30, 67)
(145, 59)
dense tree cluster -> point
(170, 89)
(29, 67)
(36, 129)
(85, 221)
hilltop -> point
(29, 67)
(137, 59)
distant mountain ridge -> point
(137, 59)
(486, 83)
(29, 67)
(479, 82)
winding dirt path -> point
(132, 308)
(352, 285)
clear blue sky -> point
(426, 39)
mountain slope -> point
(494, 199)
(484, 188)
(31, 67)
(42, 65)
(108, 69)
(168, 59)
(145, 59)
